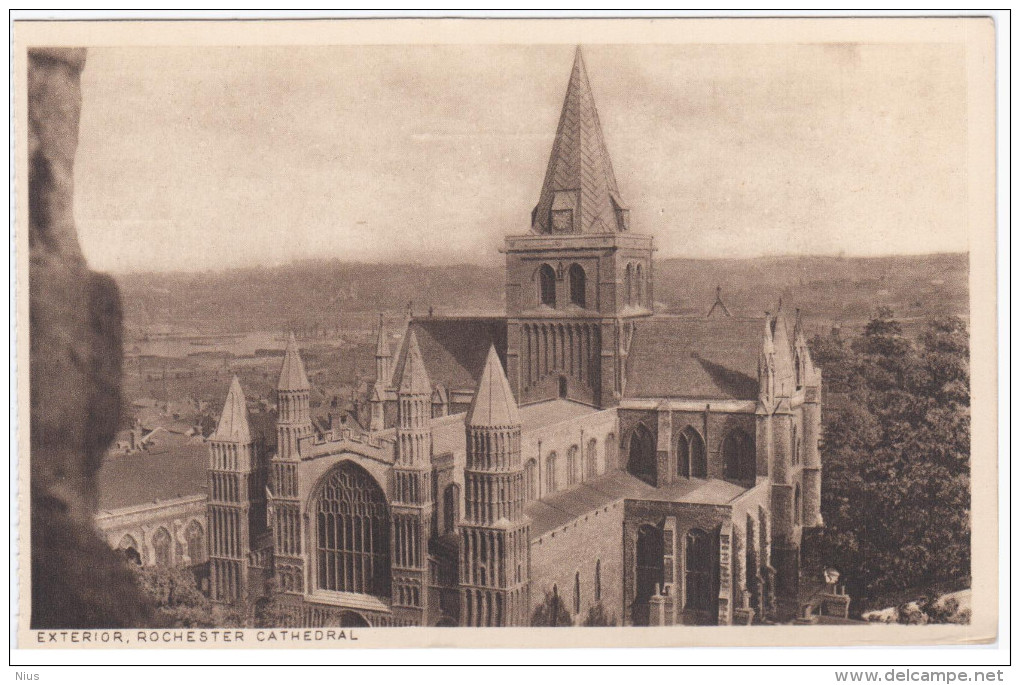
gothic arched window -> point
(591, 459)
(550, 473)
(547, 285)
(639, 286)
(531, 479)
(611, 451)
(629, 284)
(353, 526)
(161, 544)
(698, 561)
(195, 535)
(648, 570)
(641, 457)
(738, 457)
(797, 506)
(577, 285)
(573, 465)
(690, 455)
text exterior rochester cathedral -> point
(580, 448)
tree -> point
(597, 616)
(896, 445)
(552, 612)
(179, 602)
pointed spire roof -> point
(233, 423)
(382, 344)
(292, 375)
(414, 379)
(494, 403)
(580, 175)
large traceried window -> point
(690, 455)
(353, 523)
(547, 286)
(641, 456)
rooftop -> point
(175, 468)
(454, 349)
(561, 508)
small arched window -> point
(591, 460)
(629, 284)
(531, 479)
(547, 285)
(161, 543)
(738, 457)
(451, 507)
(639, 286)
(797, 506)
(796, 447)
(641, 461)
(577, 285)
(550, 473)
(573, 465)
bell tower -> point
(578, 281)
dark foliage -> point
(896, 446)
(597, 616)
(552, 612)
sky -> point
(210, 158)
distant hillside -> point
(830, 290)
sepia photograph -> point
(633, 325)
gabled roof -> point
(579, 173)
(697, 358)
(454, 348)
(233, 423)
(292, 375)
(414, 380)
(493, 404)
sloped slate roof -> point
(579, 162)
(494, 403)
(454, 348)
(176, 468)
(696, 358)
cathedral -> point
(580, 459)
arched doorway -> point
(641, 454)
(647, 571)
(352, 533)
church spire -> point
(233, 423)
(414, 379)
(579, 194)
(494, 404)
(292, 375)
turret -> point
(383, 355)
(236, 509)
(413, 506)
(495, 538)
(293, 402)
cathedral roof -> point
(454, 348)
(233, 423)
(580, 174)
(292, 375)
(688, 357)
(414, 380)
(494, 403)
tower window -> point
(577, 285)
(547, 285)
(629, 285)
(563, 387)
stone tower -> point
(413, 506)
(495, 533)
(236, 510)
(580, 279)
(294, 422)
